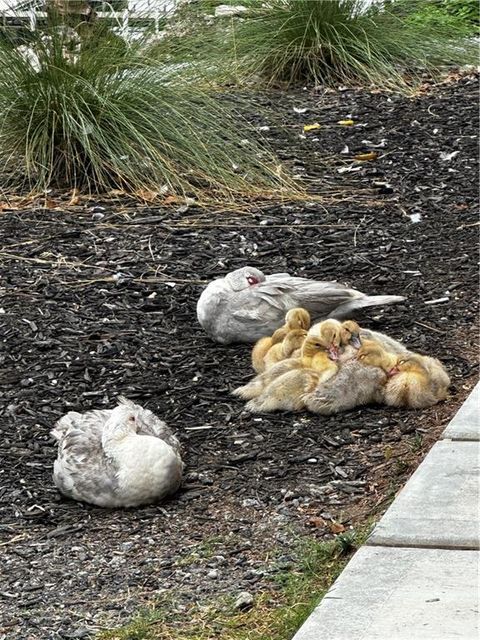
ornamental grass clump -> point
(84, 109)
(333, 42)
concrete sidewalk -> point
(417, 577)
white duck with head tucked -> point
(246, 305)
(122, 457)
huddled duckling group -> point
(333, 366)
(126, 456)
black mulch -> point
(100, 300)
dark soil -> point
(100, 299)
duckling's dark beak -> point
(333, 352)
(355, 341)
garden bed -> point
(99, 299)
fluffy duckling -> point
(263, 346)
(321, 349)
(438, 375)
(417, 382)
(246, 304)
(360, 381)
(389, 344)
(256, 386)
(123, 457)
(349, 340)
(372, 353)
(292, 343)
(319, 352)
(350, 334)
(353, 386)
(296, 318)
(286, 393)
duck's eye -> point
(252, 280)
(131, 419)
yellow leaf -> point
(171, 199)
(346, 123)
(388, 452)
(315, 522)
(147, 195)
(336, 527)
(50, 203)
(311, 127)
(365, 157)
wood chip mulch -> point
(99, 299)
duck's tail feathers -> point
(346, 309)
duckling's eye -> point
(361, 357)
(401, 361)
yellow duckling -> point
(438, 376)
(296, 318)
(372, 353)
(292, 342)
(318, 353)
(287, 392)
(417, 382)
(349, 340)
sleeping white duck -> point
(122, 457)
(246, 305)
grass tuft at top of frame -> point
(82, 108)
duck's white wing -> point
(325, 299)
(319, 298)
(81, 470)
(151, 425)
(90, 422)
(268, 302)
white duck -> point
(246, 305)
(121, 457)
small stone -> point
(250, 502)
(244, 601)
(213, 574)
